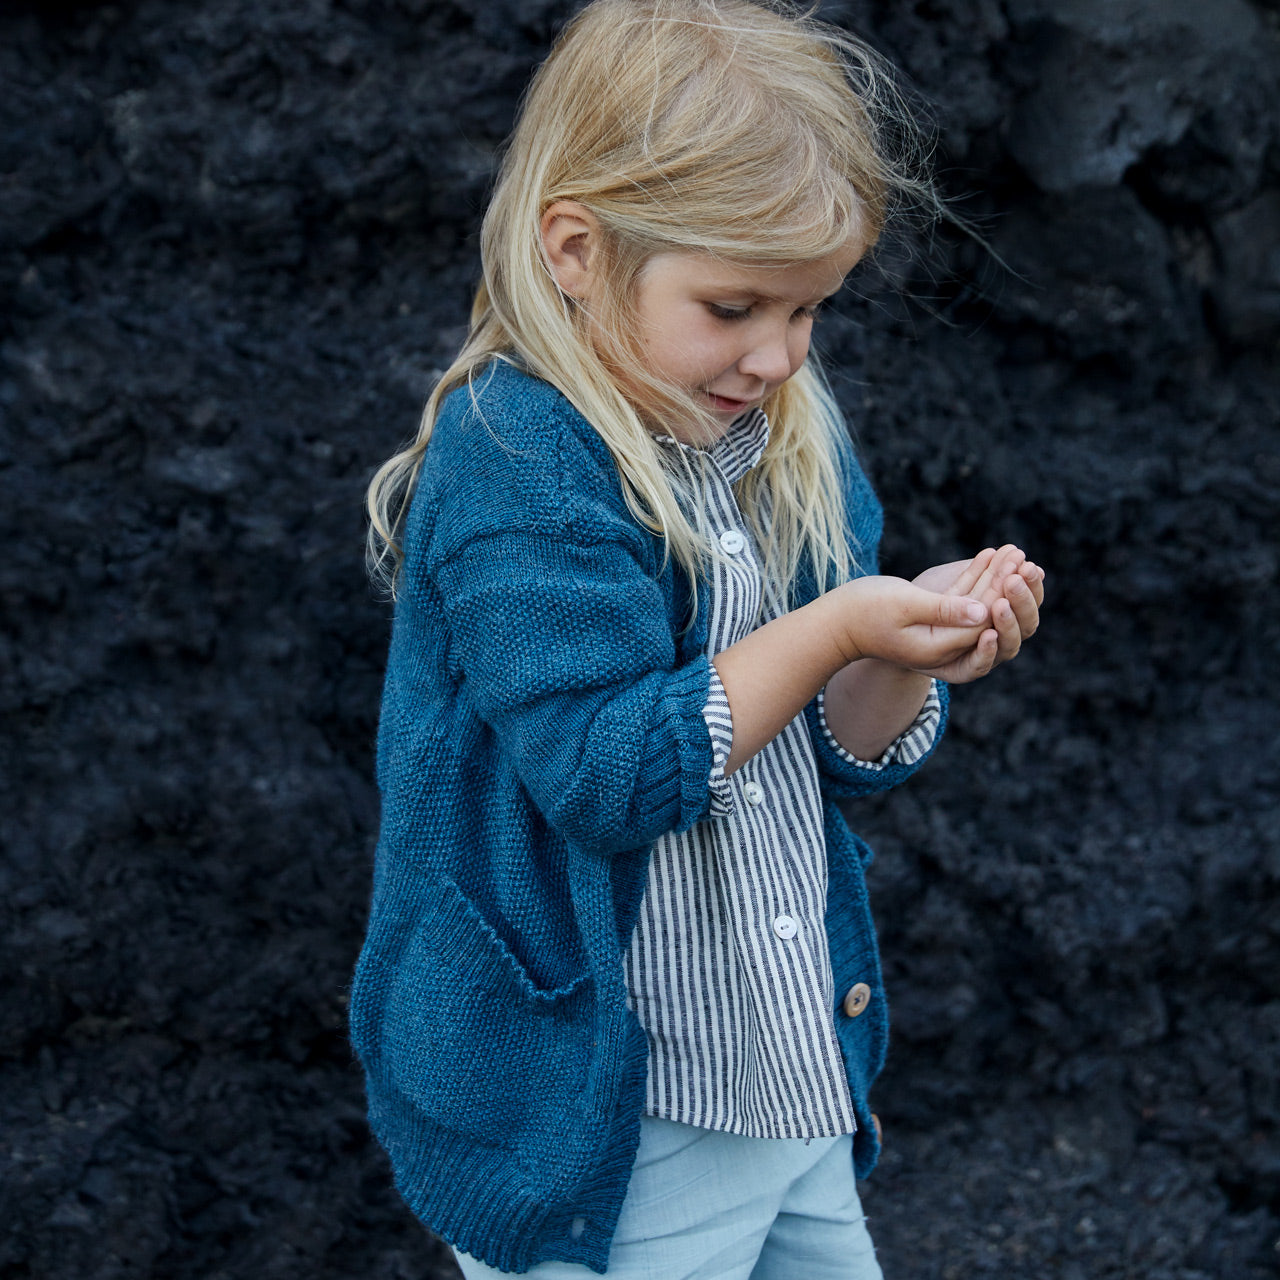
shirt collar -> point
(738, 450)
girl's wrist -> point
(847, 615)
(893, 673)
(902, 685)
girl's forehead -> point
(788, 281)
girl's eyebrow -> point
(761, 295)
(755, 295)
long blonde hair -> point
(725, 127)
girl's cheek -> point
(803, 339)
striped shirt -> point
(728, 969)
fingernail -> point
(975, 612)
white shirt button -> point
(785, 927)
(732, 542)
(753, 792)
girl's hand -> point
(1010, 585)
(909, 626)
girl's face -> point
(731, 335)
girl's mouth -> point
(723, 404)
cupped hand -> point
(1012, 589)
(910, 626)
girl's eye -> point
(722, 312)
(728, 313)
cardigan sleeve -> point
(559, 622)
(566, 652)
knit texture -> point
(541, 726)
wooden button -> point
(857, 999)
(875, 1124)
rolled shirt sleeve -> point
(720, 727)
(908, 748)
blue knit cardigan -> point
(541, 727)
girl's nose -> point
(773, 357)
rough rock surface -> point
(236, 240)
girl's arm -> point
(770, 675)
(875, 644)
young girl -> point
(620, 1002)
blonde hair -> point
(726, 127)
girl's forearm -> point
(771, 674)
(774, 672)
(869, 704)
(867, 631)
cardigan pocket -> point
(459, 929)
(471, 1040)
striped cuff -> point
(720, 726)
(912, 743)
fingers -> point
(968, 577)
(1033, 575)
(1004, 561)
(1008, 629)
(975, 664)
(957, 611)
(986, 653)
(980, 586)
(1022, 599)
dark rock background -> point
(236, 242)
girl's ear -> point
(569, 235)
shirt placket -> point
(771, 895)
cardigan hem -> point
(492, 1209)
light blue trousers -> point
(716, 1206)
